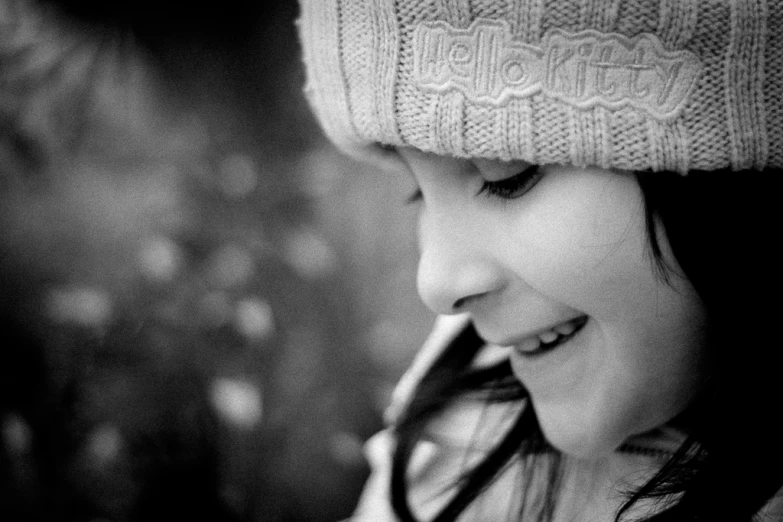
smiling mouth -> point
(548, 340)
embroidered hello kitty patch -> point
(584, 69)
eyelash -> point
(508, 188)
(515, 186)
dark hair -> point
(720, 226)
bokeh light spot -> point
(237, 402)
(160, 258)
(16, 434)
(104, 444)
(310, 255)
(254, 318)
(81, 305)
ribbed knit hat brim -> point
(631, 84)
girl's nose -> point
(455, 272)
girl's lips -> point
(547, 340)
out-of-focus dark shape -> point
(158, 22)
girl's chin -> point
(578, 440)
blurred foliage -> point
(204, 306)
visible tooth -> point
(548, 337)
(566, 328)
(530, 344)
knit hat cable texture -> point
(631, 84)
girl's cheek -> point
(584, 267)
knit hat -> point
(673, 85)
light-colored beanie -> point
(632, 84)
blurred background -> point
(204, 307)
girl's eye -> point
(515, 186)
(507, 188)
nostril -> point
(460, 303)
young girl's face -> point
(555, 263)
